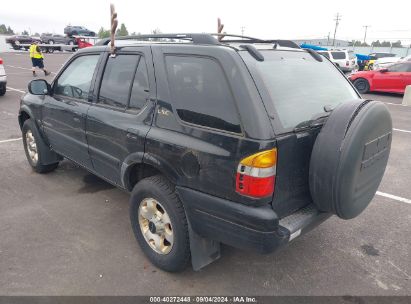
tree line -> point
(6, 30)
(122, 31)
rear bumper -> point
(251, 228)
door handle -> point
(132, 136)
(132, 133)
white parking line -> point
(9, 140)
(21, 68)
(17, 90)
(401, 130)
(394, 197)
(395, 104)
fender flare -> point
(157, 162)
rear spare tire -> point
(349, 157)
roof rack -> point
(204, 38)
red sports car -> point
(393, 79)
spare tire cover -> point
(349, 157)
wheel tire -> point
(2, 89)
(162, 191)
(41, 147)
(349, 157)
(362, 85)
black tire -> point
(362, 85)
(349, 157)
(42, 148)
(2, 89)
(160, 189)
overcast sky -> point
(266, 19)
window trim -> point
(190, 124)
(128, 108)
(93, 79)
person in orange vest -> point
(37, 59)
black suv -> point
(245, 142)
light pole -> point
(365, 33)
(337, 22)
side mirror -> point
(385, 70)
(39, 87)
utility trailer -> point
(45, 48)
(81, 42)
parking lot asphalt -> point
(68, 232)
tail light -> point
(1, 61)
(256, 174)
(347, 63)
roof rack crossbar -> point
(205, 38)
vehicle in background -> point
(72, 30)
(84, 42)
(375, 56)
(3, 79)
(393, 79)
(343, 59)
(16, 40)
(57, 39)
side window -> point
(201, 94)
(76, 79)
(117, 78)
(398, 68)
(140, 90)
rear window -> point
(297, 85)
(338, 55)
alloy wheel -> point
(155, 225)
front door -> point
(64, 113)
(119, 120)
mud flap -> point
(203, 251)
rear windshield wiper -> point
(315, 121)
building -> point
(324, 42)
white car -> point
(3, 79)
(344, 59)
(387, 61)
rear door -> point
(64, 112)
(197, 134)
(117, 123)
